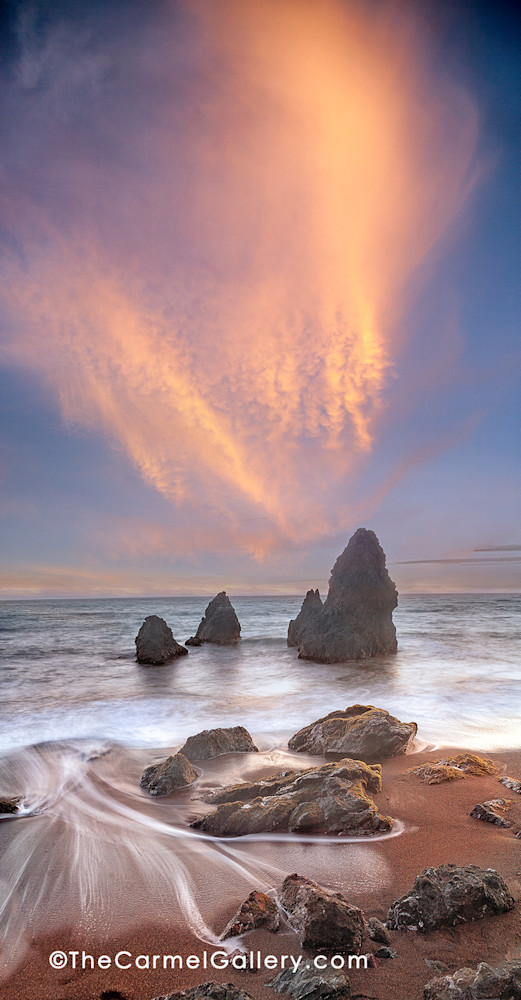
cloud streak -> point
(214, 217)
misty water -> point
(81, 720)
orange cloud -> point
(224, 298)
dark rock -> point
(502, 983)
(9, 805)
(209, 991)
(493, 811)
(312, 984)
(361, 731)
(328, 799)
(174, 772)
(258, 910)
(450, 895)
(385, 952)
(512, 783)
(307, 617)
(438, 967)
(355, 621)
(377, 931)
(323, 919)
(214, 742)
(219, 625)
(155, 643)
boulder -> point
(503, 983)
(214, 742)
(493, 811)
(323, 919)
(512, 783)
(312, 984)
(9, 806)
(258, 910)
(377, 931)
(450, 895)
(155, 643)
(328, 799)
(209, 991)
(385, 952)
(453, 768)
(361, 731)
(162, 778)
(219, 625)
(355, 621)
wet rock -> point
(214, 742)
(174, 772)
(512, 783)
(361, 731)
(209, 991)
(328, 799)
(312, 984)
(377, 931)
(308, 616)
(323, 919)
(155, 643)
(471, 763)
(219, 625)
(258, 910)
(453, 768)
(385, 952)
(355, 621)
(483, 983)
(9, 805)
(450, 895)
(493, 811)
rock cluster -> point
(503, 983)
(361, 731)
(258, 910)
(214, 742)
(323, 919)
(453, 768)
(155, 643)
(355, 621)
(162, 778)
(219, 625)
(450, 895)
(328, 799)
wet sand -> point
(437, 829)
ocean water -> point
(68, 672)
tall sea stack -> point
(219, 625)
(355, 621)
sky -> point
(260, 287)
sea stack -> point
(355, 621)
(219, 625)
(155, 643)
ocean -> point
(68, 672)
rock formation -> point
(323, 919)
(493, 811)
(258, 910)
(355, 621)
(219, 625)
(450, 895)
(174, 772)
(328, 799)
(9, 805)
(214, 742)
(312, 984)
(503, 983)
(513, 783)
(209, 991)
(377, 931)
(361, 731)
(155, 643)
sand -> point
(437, 829)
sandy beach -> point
(437, 829)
